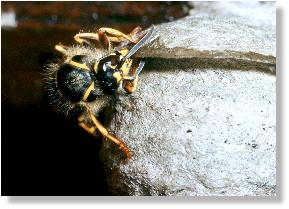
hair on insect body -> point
(89, 74)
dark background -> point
(44, 153)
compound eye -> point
(109, 63)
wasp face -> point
(108, 74)
(110, 71)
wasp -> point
(92, 71)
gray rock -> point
(211, 132)
(203, 123)
(255, 13)
(217, 36)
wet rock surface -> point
(203, 119)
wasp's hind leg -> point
(93, 125)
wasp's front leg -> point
(130, 81)
(94, 125)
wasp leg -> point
(92, 38)
(61, 48)
(82, 124)
(104, 40)
(107, 35)
(115, 35)
(135, 31)
(130, 82)
(98, 126)
(86, 38)
(110, 136)
(130, 86)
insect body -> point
(93, 71)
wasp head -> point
(119, 66)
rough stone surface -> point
(210, 34)
(203, 123)
(211, 132)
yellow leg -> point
(135, 31)
(129, 84)
(116, 34)
(82, 124)
(61, 48)
(87, 38)
(105, 36)
(98, 126)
